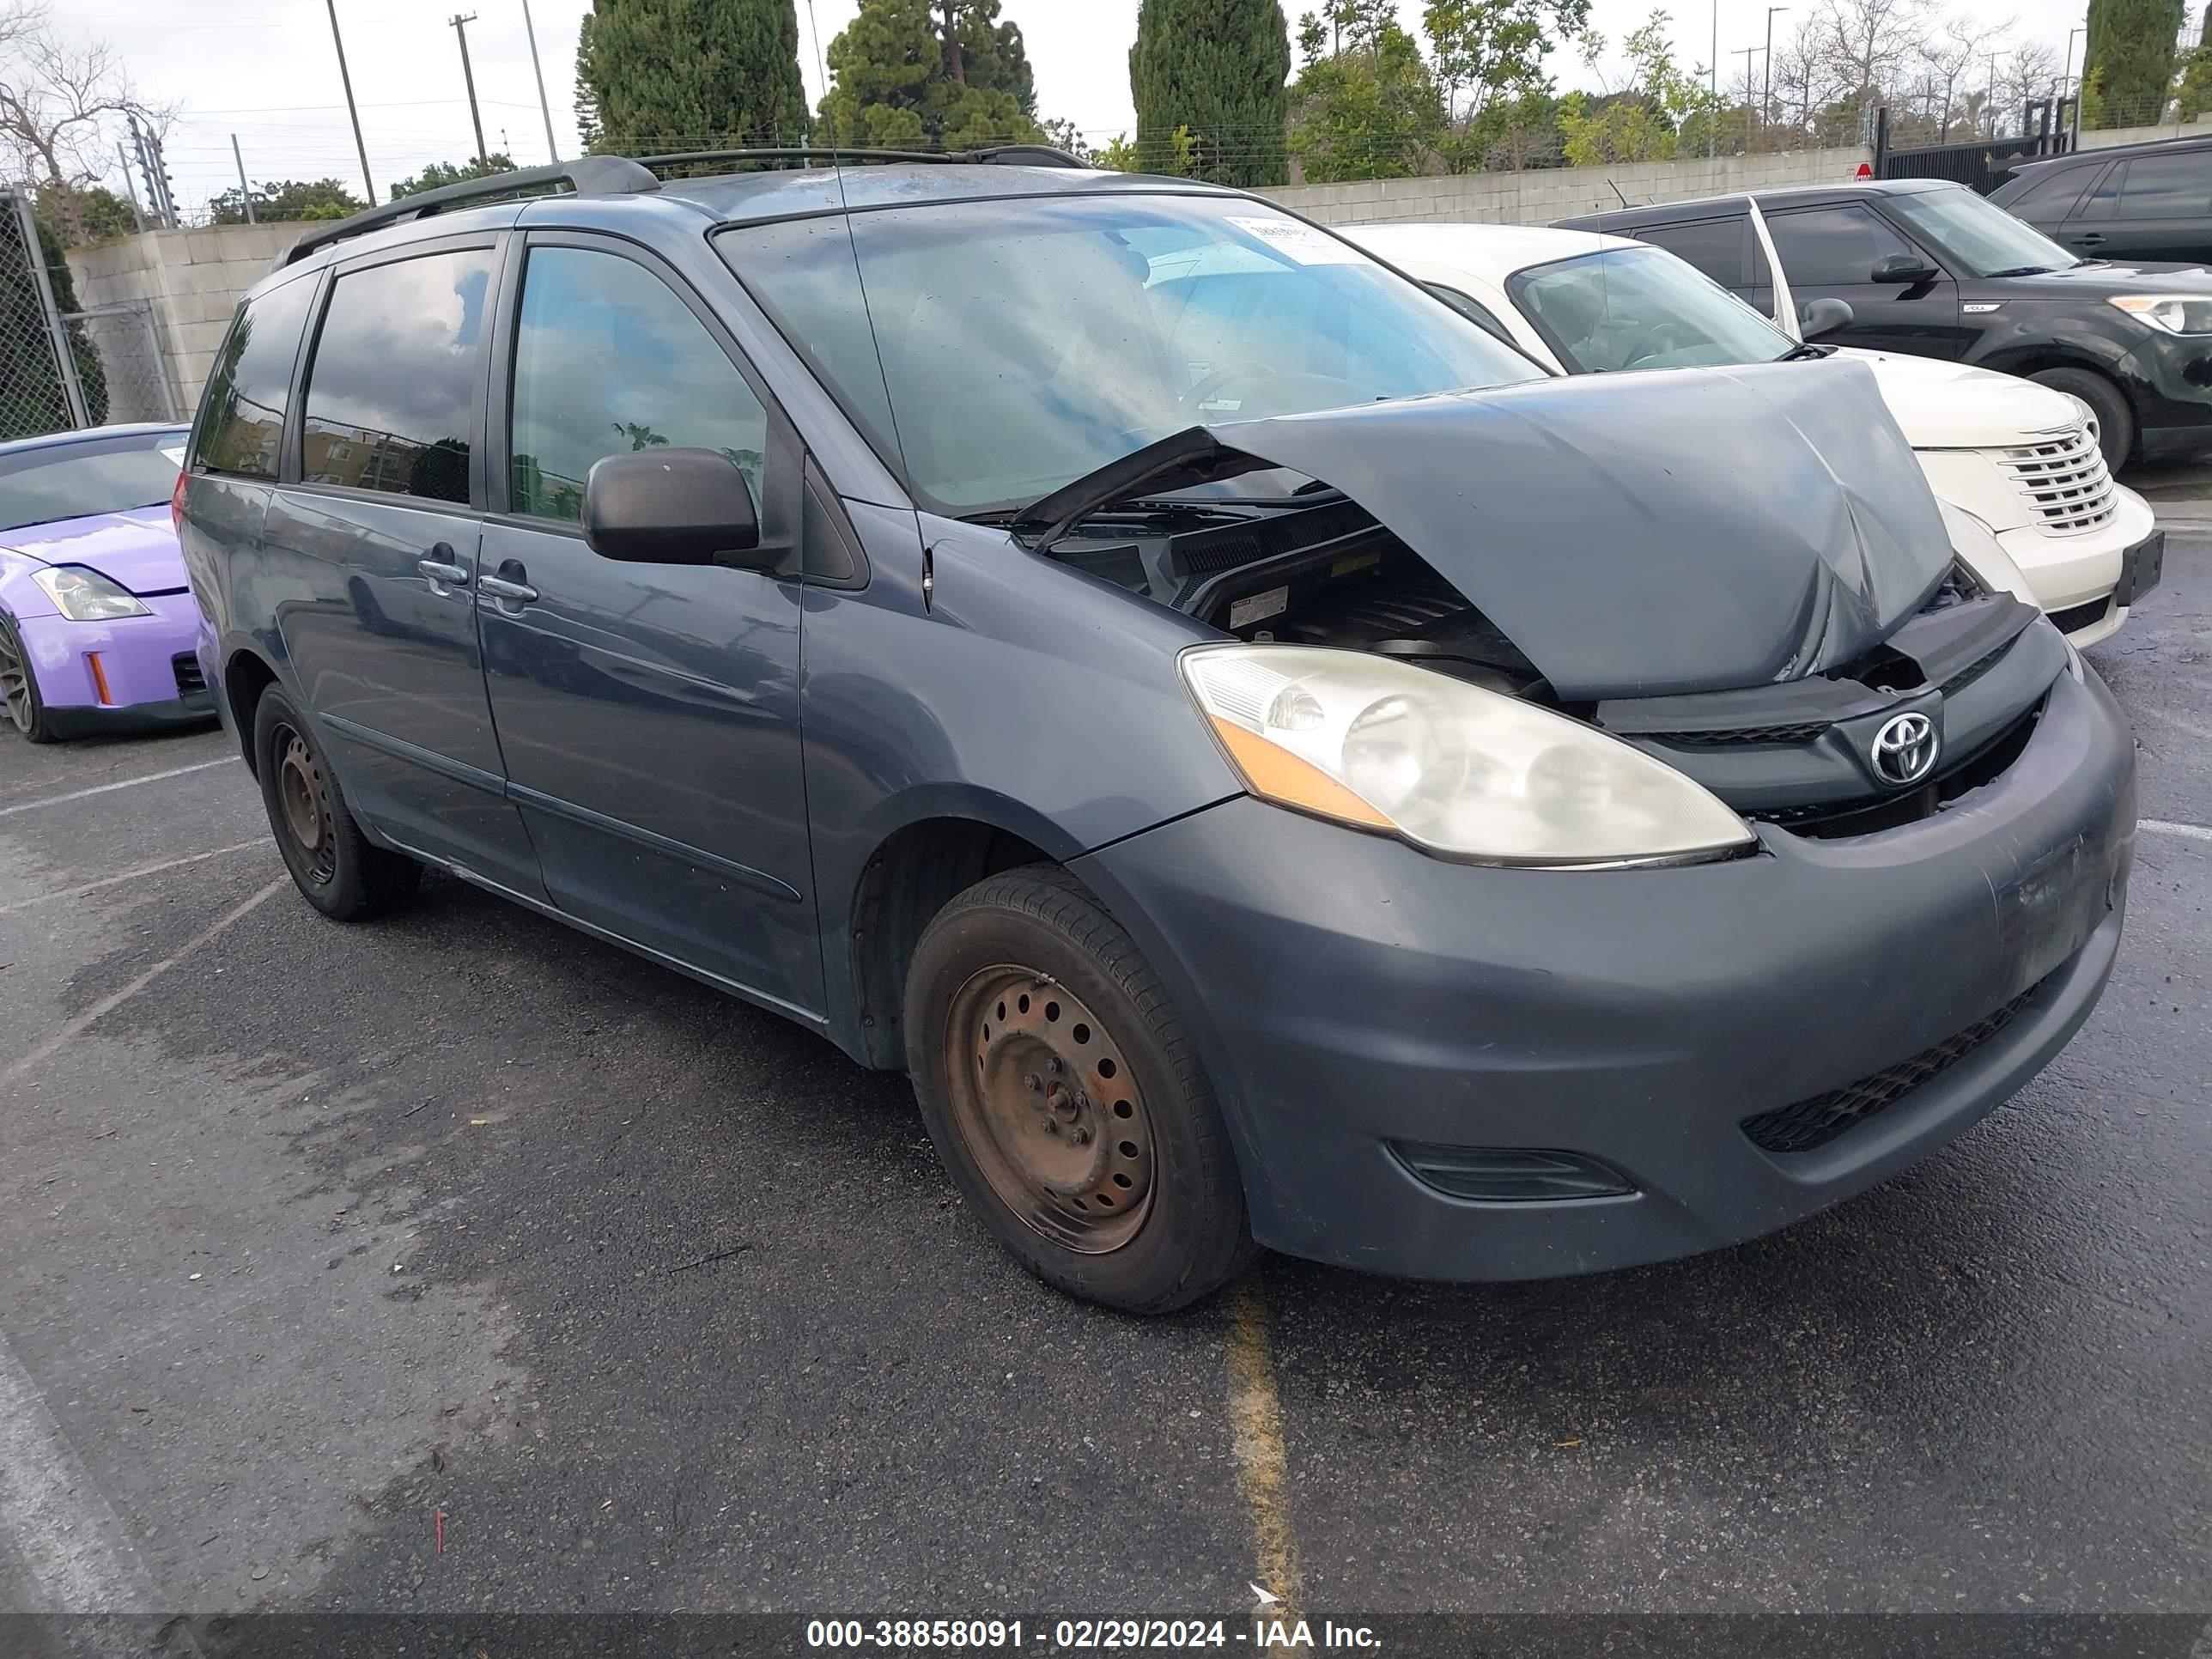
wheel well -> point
(2035, 359)
(244, 678)
(909, 879)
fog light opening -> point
(1510, 1175)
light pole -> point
(1713, 121)
(552, 150)
(1767, 92)
(360, 148)
(460, 21)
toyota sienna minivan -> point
(1274, 767)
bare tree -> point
(1948, 64)
(61, 107)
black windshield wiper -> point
(2022, 270)
(1803, 352)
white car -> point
(2017, 458)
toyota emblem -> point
(1904, 750)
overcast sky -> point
(264, 70)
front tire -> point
(19, 687)
(333, 865)
(1066, 1098)
(2116, 417)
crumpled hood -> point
(137, 548)
(1642, 534)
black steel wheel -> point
(337, 868)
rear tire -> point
(19, 687)
(1066, 1098)
(2116, 417)
(333, 865)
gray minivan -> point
(1272, 766)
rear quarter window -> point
(1713, 245)
(242, 419)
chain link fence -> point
(62, 369)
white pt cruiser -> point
(2043, 517)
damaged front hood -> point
(1633, 534)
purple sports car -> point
(97, 624)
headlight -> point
(2175, 314)
(84, 595)
(1450, 767)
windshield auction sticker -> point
(1301, 242)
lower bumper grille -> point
(191, 685)
(1816, 1121)
(2075, 618)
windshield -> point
(1018, 345)
(98, 475)
(1640, 308)
(1982, 239)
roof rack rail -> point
(1018, 155)
(588, 175)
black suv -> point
(2135, 202)
(1928, 268)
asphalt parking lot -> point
(459, 1262)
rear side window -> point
(2050, 199)
(1713, 245)
(608, 360)
(393, 388)
(243, 419)
(2167, 186)
(1832, 244)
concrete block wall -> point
(195, 279)
(1540, 196)
(2107, 137)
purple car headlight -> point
(84, 595)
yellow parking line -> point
(1263, 1468)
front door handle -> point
(505, 589)
(2087, 239)
(439, 570)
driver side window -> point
(607, 359)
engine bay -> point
(1326, 574)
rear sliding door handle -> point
(439, 570)
(500, 588)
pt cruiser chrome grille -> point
(2063, 477)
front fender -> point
(2024, 334)
(1019, 694)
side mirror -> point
(670, 506)
(1820, 317)
(1903, 268)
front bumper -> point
(1350, 993)
(2072, 578)
(147, 674)
(2169, 379)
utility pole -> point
(360, 148)
(1745, 53)
(245, 190)
(460, 21)
(1713, 63)
(1767, 94)
(552, 150)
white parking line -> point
(2193, 831)
(139, 874)
(81, 1559)
(105, 789)
(65, 1035)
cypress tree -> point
(2128, 61)
(692, 74)
(1217, 69)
